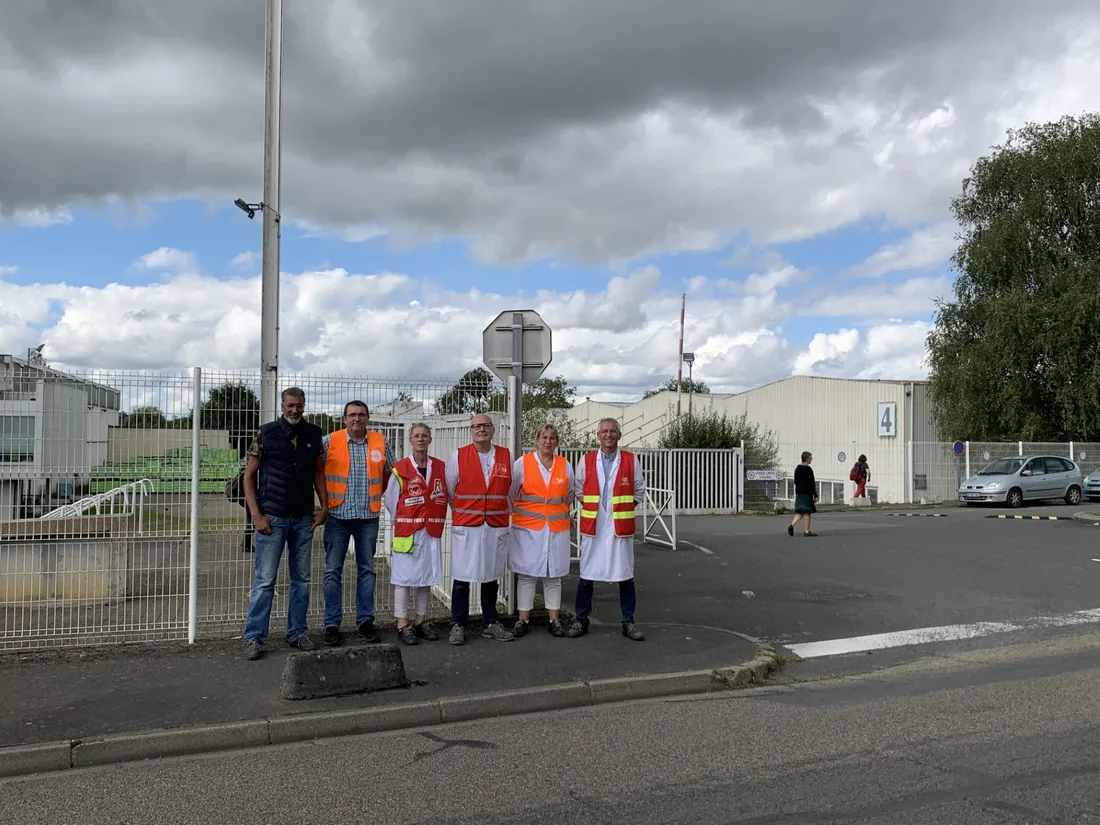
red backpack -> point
(855, 475)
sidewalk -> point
(683, 608)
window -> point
(16, 438)
(1037, 467)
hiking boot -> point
(368, 633)
(521, 628)
(631, 632)
(496, 631)
(407, 635)
(303, 642)
(253, 651)
(556, 630)
(457, 635)
(425, 631)
(332, 636)
(577, 629)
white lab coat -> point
(478, 554)
(541, 553)
(422, 567)
(606, 557)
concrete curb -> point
(48, 757)
(1008, 517)
(1087, 518)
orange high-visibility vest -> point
(417, 507)
(540, 504)
(338, 466)
(622, 495)
(473, 502)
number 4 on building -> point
(887, 419)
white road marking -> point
(947, 633)
(1096, 559)
(697, 547)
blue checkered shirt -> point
(357, 498)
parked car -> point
(1016, 479)
(1092, 486)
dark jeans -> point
(460, 602)
(295, 535)
(338, 533)
(627, 600)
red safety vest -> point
(417, 507)
(474, 503)
(622, 495)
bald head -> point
(481, 432)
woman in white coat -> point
(542, 492)
(416, 504)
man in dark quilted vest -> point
(284, 472)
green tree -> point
(233, 407)
(710, 429)
(147, 417)
(326, 422)
(475, 392)
(549, 394)
(1016, 354)
(688, 385)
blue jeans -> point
(627, 600)
(293, 533)
(460, 602)
(338, 531)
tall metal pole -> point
(269, 296)
(515, 427)
(196, 460)
(691, 385)
(680, 366)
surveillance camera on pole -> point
(249, 209)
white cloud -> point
(167, 259)
(923, 249)
(8, 269)
(245, 260)
(613, 340)
(41, 218)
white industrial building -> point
(53, 431)
(836, 419)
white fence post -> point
(1071, 451)
(193, 578)
(968, 459)
(1020, 447)
(912, 470)
(741, 478)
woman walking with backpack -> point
(861, 474)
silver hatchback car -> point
(1016, 479)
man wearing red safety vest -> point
(609, 484)
(479, 477)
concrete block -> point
(131, 747)
(647, 687)
(341, 671)
(19, 760)
(352, 722)
(508, 702)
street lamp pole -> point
(269, 294)
(689, 359)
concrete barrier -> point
(342, 671)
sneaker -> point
(521, 628)
(631, 632)
(425, 631)
(496, 631)
(368, 633)
(303, 642)
(253, 651)
(810, 535)
(457, 635)
(577, 629)
(407, 635)
(790, 529)
(332, 636)
(556, 630)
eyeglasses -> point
(481, 426)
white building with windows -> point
(836, 419)
(53, 431)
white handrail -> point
(133, 497)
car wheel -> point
(1073, 497)
(1015, 498)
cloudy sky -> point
(789, 165)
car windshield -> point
(1002, 467)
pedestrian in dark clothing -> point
(805, 495)
(861, 474)
(285, 471)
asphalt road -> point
(999, 735)
(874, 572)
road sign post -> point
(516, 346)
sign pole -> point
(515, 429)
